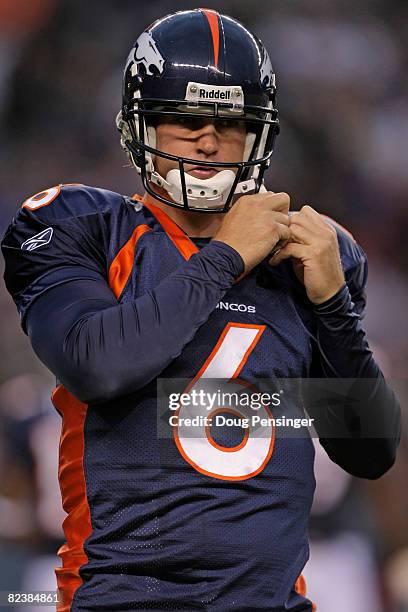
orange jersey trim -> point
(77, 525)
(301, 588)
(179, 238)
(121, 267)
(212, 17)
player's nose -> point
(207, 141)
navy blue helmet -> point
(199, 63)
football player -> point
(207, 275)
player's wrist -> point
(339, 302)
(226, 256)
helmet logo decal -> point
(267, 74)
(148, 55)
(212, 17)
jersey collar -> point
(179, 238)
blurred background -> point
(343, 97)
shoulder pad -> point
(69, 201)
(351, 253)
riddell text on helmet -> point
(215, 94)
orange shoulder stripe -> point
(122, 265)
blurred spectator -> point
(30, 501)
(342, 543)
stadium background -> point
(343, 97)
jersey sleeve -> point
(354, 263)
(100, 348)
(360, 429)
(48, 244)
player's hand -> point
(255, 224)
(316, 257)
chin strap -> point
(201, 193)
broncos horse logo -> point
(147, 54)
(267, 75)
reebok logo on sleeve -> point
(39, 240)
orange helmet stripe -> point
(212, 17)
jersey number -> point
(248, 458)
(45, 197)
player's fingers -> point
(284, 232)
(279, 217)
(302, 234)
(276, 201)
(313, 216)
(306, 221)
(310, 212)
(315, 219)
(291, 249)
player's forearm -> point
(342, 341)
(360, 424)
(100, 349)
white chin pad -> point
(201, 193)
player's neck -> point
(193, 223)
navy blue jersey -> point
(156, 523)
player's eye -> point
(225, 124)
(190, 123)
(194, 124)
(184, 121)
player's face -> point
(201, 139)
